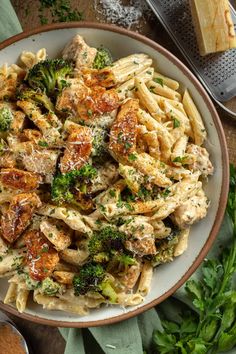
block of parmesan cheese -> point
(213, 25)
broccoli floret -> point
(102, 257)
(50, 287)
(49, 76)
(26, 93)
(99, 142)
(102, 59)
(92, 277)
(106, 240)
(62, 184)
(89, 278)
(120, 263)
(6, 118)
(165, 250)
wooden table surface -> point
(44, 339)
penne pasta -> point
(56, 235)
(173, 84)
(75, 257)
(70, 216)
(11, 294)
(182, 244)
(128, 86)
(159, 88)
(21, 299)
(166, 140)
(195, 118)
(53, 303)
(129, 299)
(63, 277)
(148, 101)
(145, 279)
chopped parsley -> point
(165, 193)
(43, 143)
(112, 193)
(176, 122)
(128, 145)
(132, 157)
(119, 138)
(89, 112)
(159, 81)
(180, 159)
(60, 11)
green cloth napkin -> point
(9, 23)
(133, 335)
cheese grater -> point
(217, 71)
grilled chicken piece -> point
(78, 149)
(41, 161)
(191, 211)
(18, 179)
(130, 277)
(103, 77)
(8, 85)
(141, 240)
(123, 132)
(18, 122)
(32, 134)
(107, 174)
(87, 102)
(7, 159)
(141, 246)
(42, 258)
(71, 96)
(97, 102)
(202, 163)
(79, 52)
(17, 217)
(57, 232)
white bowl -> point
(167, 278)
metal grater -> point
(216, 71)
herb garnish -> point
(159, 81)
(176, 122)
(132, 157)
(60, 11)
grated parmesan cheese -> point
(114, 11)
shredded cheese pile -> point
(114, 11)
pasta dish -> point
(102, 166)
